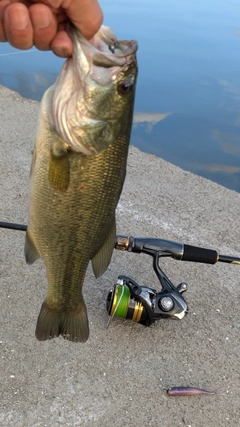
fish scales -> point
(69, 225)
(68, 219)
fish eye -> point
(125, 86)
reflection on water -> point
(187, 107)
(150, 119)
(28, 72)
(30, 86)
(222, 168)
(229, 142)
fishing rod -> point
(142, 304)
(167, 247)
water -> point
(188, 95)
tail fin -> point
(71, 324)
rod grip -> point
(195, 254)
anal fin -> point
(30, 251)
(103, 257)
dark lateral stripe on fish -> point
(188, 391)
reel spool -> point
(121, 303)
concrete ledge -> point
(120, 376)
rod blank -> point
(12, 226)
(229, 259)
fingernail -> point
(62, 52)
(41, 20)
(18, 20)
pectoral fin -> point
(31, 253)
(59, 171)
(103, 257)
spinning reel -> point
(144, 305)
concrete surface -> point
(120, 376)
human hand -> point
(27, 23)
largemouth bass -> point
(77, 173)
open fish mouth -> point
(95, 66)
(104, 49)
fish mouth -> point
(104, 49)
(94, 68)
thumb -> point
(86, 15)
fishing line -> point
(118, 303)
(17, 53)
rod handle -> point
(195, 254)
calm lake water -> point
(187, 109)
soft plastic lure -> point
(188, 391)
